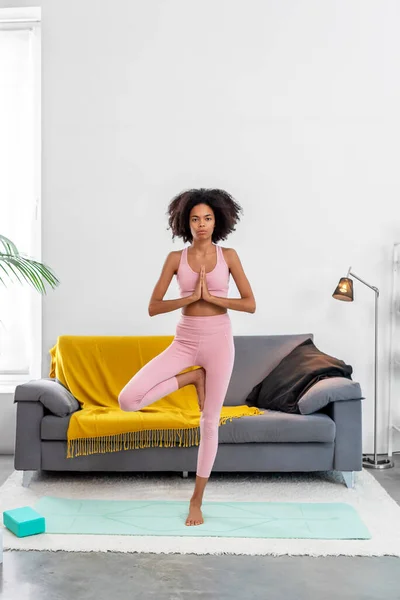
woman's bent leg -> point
(157, 378)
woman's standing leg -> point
(216, 355)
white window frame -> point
(30, 18)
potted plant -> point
(35, 274)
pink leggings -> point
(199, 341)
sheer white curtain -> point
(19, 175)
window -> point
(20, 188)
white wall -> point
(292, 106)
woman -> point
(203, 337)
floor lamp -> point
(344, 291)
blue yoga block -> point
(24, 521)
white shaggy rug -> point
(380, 513)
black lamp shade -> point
(344, 290)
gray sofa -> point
(329, 439)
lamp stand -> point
(372, 462)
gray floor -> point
(87, 576)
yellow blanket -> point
(96, 368)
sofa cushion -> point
(332, 389)
(54, 428)
(50, 392)
(272, 426)
(276, 426)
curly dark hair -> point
(226, 211)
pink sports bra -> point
(217, 279)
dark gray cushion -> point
(331, 389)
(51, 393)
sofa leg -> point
(27, 478)
(348, 477)
(185, 474)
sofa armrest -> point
(28, 439)
(51, 393)
(347, 415)
(330, 389)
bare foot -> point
(200, 385)
(195, 516)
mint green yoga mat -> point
(331, 521)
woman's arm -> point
(162, 306)
(157, 305)
(246, 302)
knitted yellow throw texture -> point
(96, 368)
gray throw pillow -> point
(328, 390)
(51, 393)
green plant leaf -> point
(19, 264)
